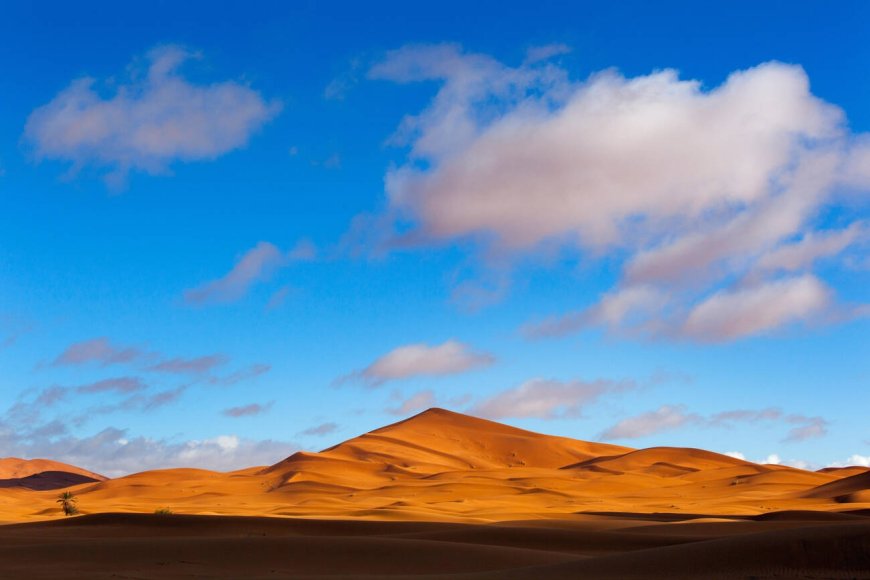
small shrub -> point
(163, 512)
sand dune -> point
(42, 474)
(454, 495)
(15, 468)
(445, 466)
(851, 489)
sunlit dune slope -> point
(433, 442)
(445, 466)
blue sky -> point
(229, 231)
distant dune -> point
(441, 494)
(42, 474)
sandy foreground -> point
(444, 495)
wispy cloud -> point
(12, 327)
(245, 374)
(197, 365)
(671, 417)
(257, 265)
(153, 119)
(419, 401)
(419, 359)
(537, 54)
(806, 428)
(123, 385)
(665, 418)
(320, 430)
(247, 410)
(547, 399)
(97, 350)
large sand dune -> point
(444, 466)
(443, 493)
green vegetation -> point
(67, 503)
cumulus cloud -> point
(257, 265)
(671, 417)
(320, 430)
(415, 360)
(547, 399)
(855, 459)
(97, 350)
(247, 410)
(692, 188)
(149, 121)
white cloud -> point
(734, 314)
(547, 399)
(692, 188)
(153, 119)
(855, 459)
(257, 265)
(735, 455)
(415, 360)
(811, 247)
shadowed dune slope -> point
(167, 547)
(854, 488)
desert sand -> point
(444, 494)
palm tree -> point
(67, 503)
